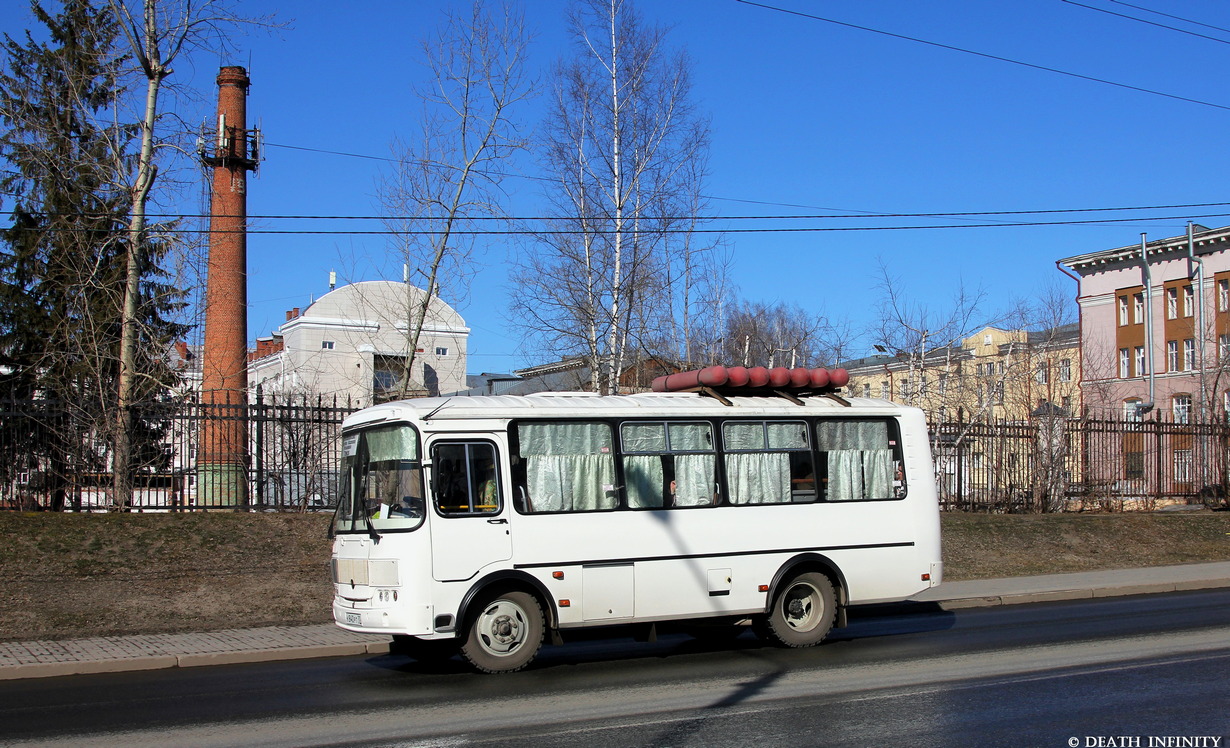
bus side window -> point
(569, 466)
(466, 480)
(861, 460)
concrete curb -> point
(198, 659)
(1088, 593)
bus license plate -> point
(354, 619)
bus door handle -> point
(500, 521)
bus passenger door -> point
(469, 524)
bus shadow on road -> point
(619, 644)
(891, 619)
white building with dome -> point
(353, 343)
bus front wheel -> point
(803, 611)
(505, 634)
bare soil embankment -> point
(69, 576)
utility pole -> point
(222, 447)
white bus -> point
(484, 524)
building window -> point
(1223, 295)
(1189, 354)
(1182, 408)
(1125, 364)
(1189, 302)
(1172, 303)
(387, 377)
(326, 345)
(1138, 303)
(1123, 311)
(441, 351)
(867, 390)
(1065, 370)
(1223, 347)
(1140, 361)
(1131, 409)
(1066, 403)
(1172, 355)
(885, 393)
(1183, 466)
(1041, 373)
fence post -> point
(258, 423)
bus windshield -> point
(381, 481)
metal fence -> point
(56, 456)
(1075, 464)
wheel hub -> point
(504, 629)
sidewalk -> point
(108, 654)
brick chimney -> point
(222, 455)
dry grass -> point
(72, 575)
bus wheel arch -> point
(502, 624)
(806, 599)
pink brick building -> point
(1155, 327)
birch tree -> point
(620, 137)
(158, 33)
(453, 171)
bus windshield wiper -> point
(371, 529)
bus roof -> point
(591, 405)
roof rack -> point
(792, 384)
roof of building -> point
(387, 302)
(1204, 240)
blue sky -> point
(808, 117)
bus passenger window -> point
(668, 464)
(569, 466)
(861, 459)
(767, 462)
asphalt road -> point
(1083, 673)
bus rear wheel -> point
(803, 611)
(505, 634)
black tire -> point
(423, 650)
(803, 611)
(504, 634)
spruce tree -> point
(62, 259)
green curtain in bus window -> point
(644, 477)
(694, 480)
(644, 437)
(695, 477)
(787, 436)
(860, 459)
(569, 466)
(755, 478)
(392, 443)
(758, 478)
(691, 437)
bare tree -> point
(759, 334)
(453, 173)
(620, 137)
(914, 333)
